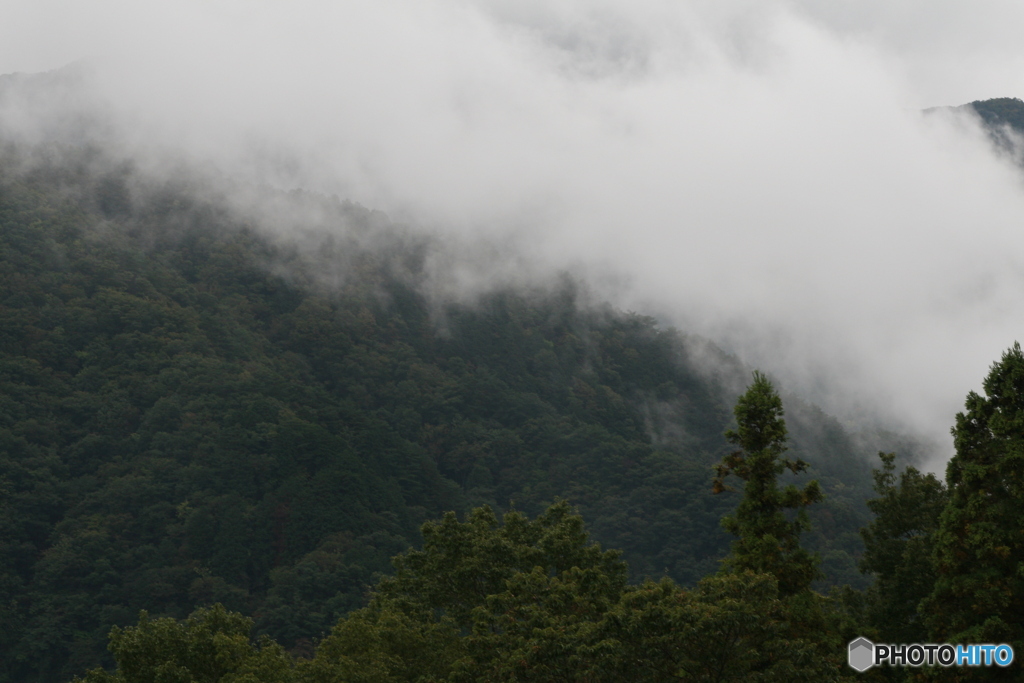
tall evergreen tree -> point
(768, 540)
(979, 550)
(897, 548)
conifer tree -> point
(979, 549)
(768, 541)
(897, 549)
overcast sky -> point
(755, 171)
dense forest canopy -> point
(534, 600)
(250, 412)
(197, 412)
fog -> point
(756, 172)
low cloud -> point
(760, 173)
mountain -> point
(1002, 119)
(196, 410)
(213, 392)
(999, 112)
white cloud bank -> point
(758, 172)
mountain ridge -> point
(196, 409)
(190, 415)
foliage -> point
(898, 549)
(979, 550)
(478, 557)
(733, 627)
(194, 411)
(768, 541)
(525, 592)
(519, 601)
(1003, 119)
(384, 644)
(211, 646)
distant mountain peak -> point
(998, 112)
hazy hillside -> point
(193, 412)
(1001, 111)
(1002, 118)
(211, 392)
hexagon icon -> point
(862, 654)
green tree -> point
(732, 627)
(482, 600)
(527, 600)
(768, 521)
(386, 643)
(898, 549)
(768, 540)
(212, 646)
(463, 563)
(979, 547)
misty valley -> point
(234, 452)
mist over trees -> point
(195, 413)
(297, 461)
(1004, 121)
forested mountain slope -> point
(193, 411)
